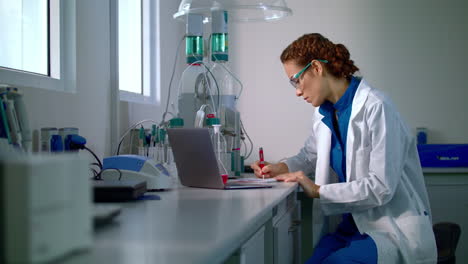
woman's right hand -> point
(270, 170)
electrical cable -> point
(95, 173)
(217, 89)
(129, 129)
(95, 164)
(245, 147)
(130, 145)
(250, 140)
(203, 107)
(215, 109)
(95, 156)
(172, 77)
(119, 171)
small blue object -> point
(124, 162)
(77, 139)
(443, 155)
(74, 142)
(148, 139)
(422, 137)
(56, 144)
(148, 197)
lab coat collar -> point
(359, 98)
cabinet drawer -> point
(253, 251)
(283, 241)
(284, 206)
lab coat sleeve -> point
(306, 159)
(385, 163)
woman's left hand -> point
(310, 188)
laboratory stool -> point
(446, 235)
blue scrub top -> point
(339, 128)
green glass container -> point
(162, 135)
(212, 121)
(176, 122)
(194, 48)
(219, 47)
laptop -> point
(196, 160)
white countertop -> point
(188, 225)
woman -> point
(363, 160)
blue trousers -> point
(340, 248)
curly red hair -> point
(315, 46)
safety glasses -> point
(294, 80)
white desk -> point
(188, 225)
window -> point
(24, 41)
(37, 47)
(136, 37)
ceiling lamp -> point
(239, 10)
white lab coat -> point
(384, 189)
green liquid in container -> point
(219, 46)
(194, 48)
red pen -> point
(262, 161)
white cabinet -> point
(283, 240)
(252, 252)
(278, 241)
(448, 197)
(286, 232)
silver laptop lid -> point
(195, 158)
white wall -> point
(415, 51)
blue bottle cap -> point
(56, 143)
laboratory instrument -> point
(211, 86)
(46, 135)
(230, 88)
(14, 108)
(194, 89)
(443, 155)
(134, 167)
(209, 83)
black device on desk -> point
(118, 191)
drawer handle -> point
(292, 229)
(296, 222)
